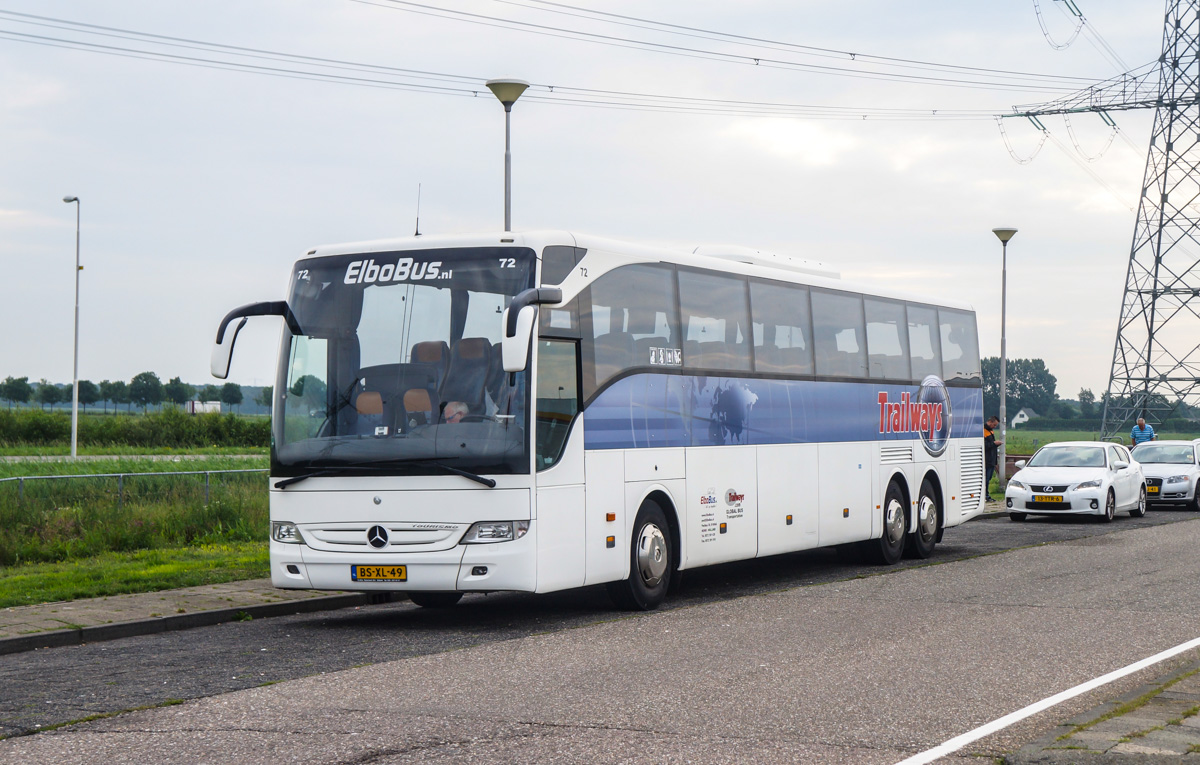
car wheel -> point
(1018, 517)
(650, 563)
(922, 541)
(435, 599)
(1140, 508)
(1194, 505)
(889, 547)
(1110, 507)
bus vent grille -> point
(895, 455)
(971, 460)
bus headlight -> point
(486, 532)
(286, 532)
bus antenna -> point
(418, 230)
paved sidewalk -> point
(25, 628)
(1155, 723)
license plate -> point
(1046, 498)
(1152, 489)
(379, 573)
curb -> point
(102, 632)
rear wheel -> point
(651, 563)
(922, 541)
(435, 599)
(1140, 508)
(889, 547)
(1018, 517)
(1110, 507)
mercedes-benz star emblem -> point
(377, 536)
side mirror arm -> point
(532, 296)
(222, 351)
(518, 325)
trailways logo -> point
(926, 413)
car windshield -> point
(1068, 456)
(397, 365)
(1168, 454)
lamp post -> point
(75, 374)
(508, 91)
(1003, 234)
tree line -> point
(144, 390)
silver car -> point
(1172, 470)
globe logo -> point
(933, 391)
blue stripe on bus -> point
(656, 410)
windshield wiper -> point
(488, 482)
(299, 478)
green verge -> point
(1021, 441)
(108, 450)
(129, 572)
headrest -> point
(369, 402)
(430, 352)
(417, 400)
(473, 348)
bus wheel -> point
(921, 542)
(889, 547)
(435, 599)
(650, 563)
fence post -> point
(206, 487)
(120, 489)
(21, 490)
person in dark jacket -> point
(991, 452)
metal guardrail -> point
(121, 479)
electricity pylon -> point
(1156, 358)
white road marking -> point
(958, 742)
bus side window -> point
(838, 334)
(716, 321)
(887, 339)
(557, 399)
(924, 341)
(782, 328)
(960, 345)
(623, 315)
(557, 263)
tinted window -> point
(838, 336)
(628, 320)
(960, 345)
(887, 339)
(715, 321)
(557, 400)
(782, 328)
(557, 264)
(924, 342)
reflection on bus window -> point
(923, 342)
(887, 339)
(838, 334)
(960, 345)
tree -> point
(311, 390)
(210, 393)
(47, 394)
(119, 393)
(89, 393)
(1030, 385)
(265, 396)
(145, 389)
(178, 391)
(16, 390)
(1087, 403)
(231, 393)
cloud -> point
(805, 143)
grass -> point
(108, 450)
(1127, 707)
(127, 572)
(176, 461)
(1022, 441)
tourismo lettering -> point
(368, 271)
(908, 416)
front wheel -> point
(889, 547)
(1018, 517)
(435, 599)
(1194, 504)
(1110, 507)
(922, 541)
(1140, 508)
(651, 563)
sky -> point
(199, 186)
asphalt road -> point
(860, 669)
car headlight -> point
(1177, 479)
(1089, 484)
(1016, 484)
(286, 532)
(486, 532)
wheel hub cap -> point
(927, 523)
(895, 522)
(651, 555)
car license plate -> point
(1152, 489)
(379, 573)
(1046, 498)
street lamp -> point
(75, 377)
(1003, 234)
(508, 91)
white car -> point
(1172, 470)
(1088, 477)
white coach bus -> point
(540, 411)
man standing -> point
(1142, 432)
(991, 453)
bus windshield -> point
(397, 365)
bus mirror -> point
(514, 349)
(222, 351)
